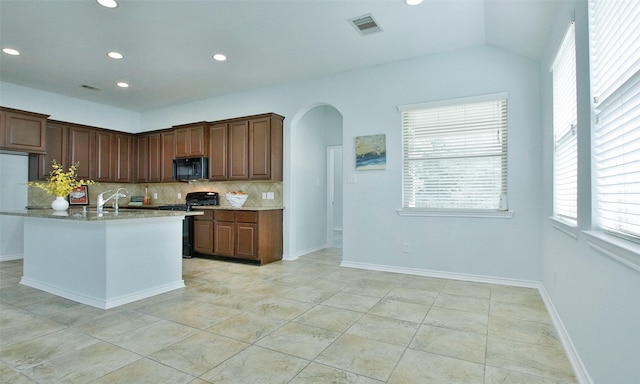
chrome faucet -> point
(101, 200)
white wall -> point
(13, 196)
(597, 298)
(68, 109)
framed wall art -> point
(371, 152)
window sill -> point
(621, 250)
(487, 214)
(564, 226)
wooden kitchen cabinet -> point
(122, 157)
(103, 150)
(22, 131)
(142, 163)
(218, 161)
(203, 239)
(57, 145)
(191, 140)
(256, 148)
(82, 151)
(149, 155)
(168, 154)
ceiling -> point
(168, 45)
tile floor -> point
(299, 322)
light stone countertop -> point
(92, 214)
(228, 207)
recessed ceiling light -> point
(108, 3)
(122, 84)
(115, 55)
(413, 2)
(219, 57)
(11, 51)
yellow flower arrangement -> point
(61, 183)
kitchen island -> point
(103, 259)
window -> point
(455, 154)
(565, 115)
(615, 65)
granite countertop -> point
(228, 207)
(93, 215)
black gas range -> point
(192, 200)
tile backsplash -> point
(167, 193)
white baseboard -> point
(16, 256)
(582, 376)
(303, 252)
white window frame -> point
(412, 127)
(565, 132)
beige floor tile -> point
(334, 319)
(153, 337)
(52, 305)
(463, 303)
(320, 374)
(115, 324)
(448, 342)
(9, 375)
(299, 340)
(525, 311)
(281, 308)
(533, 359)
(494, 375)
(459, 320)
(247, 326)
(82, 366)
(351, 302)
(467, 288)
(525, 331)
(145, 371)
(371, 287)
(362, 356)
(400, 310)
(18, 325)
(194, 313)
(26, 354)
(424, 283)
(515, 294)
(199, 353)
(385, 329)
(79, 315)
(256, 365)
(411, 295)
(418, 367)
(308, 294)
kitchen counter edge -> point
(93, 215)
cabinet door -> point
(24, 132)
(218, 140)
(155, 158)
(182, 142)
(260, 149)
(168, 154)
(203, 236)
(223, 232)
(81, 151)
(246, 240)
(190, 141)
(143, 158)
(104, 150)
(57, 149)
(123, 159)
(238, 150)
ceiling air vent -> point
(366, 24)
(85, 86)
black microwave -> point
(191, 168)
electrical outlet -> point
(406, 248)
(270, 196)
(264, 196)
(155, 195)
(179, 195)
(352, 179)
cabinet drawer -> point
(246, 216)
(223, 215)
(208, 215)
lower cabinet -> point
(248, 235)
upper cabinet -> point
(168, 142)
(82, 149)
(191, 140)
(218, 143)
(255, 148)
(22, 131)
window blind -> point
(565, 115)
(615, 57)
(455, 156)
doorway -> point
(334, 196)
